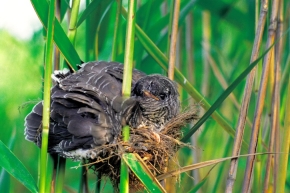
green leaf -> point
(198, 186)
(228, 10)
(4, 176)
(225, 94)
(64, 6)
(139, 168)
(103, 24)
(91, 7)
(60, 37)
(222, 97)
(94, 14)
(14, 166)
(285, 143)
(185, 9)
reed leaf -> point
(60, 38)
(14, 167)
(223, 96)
(202, 165)
(139, 168)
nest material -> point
(154, 149)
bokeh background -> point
(21, 67)
(230, 29)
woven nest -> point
(154, 149)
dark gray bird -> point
(88, 110)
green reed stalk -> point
(126, 87)
(46, 97)
(116, 29)
(72, 29)
(60, 175)
(283, 162)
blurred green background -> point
(231, 27)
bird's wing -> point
(103, 81)
(84, 108)
(100, 79)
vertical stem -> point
(285, 71)
(98, 184)
(46, 97)
(126, 87)
(129, 49)
(190, 47)
(56, 50)
(164, 10)
(279, 171)
(116, 29)
(87, 36)
(173, 36)
(126, 133)
(54, 173)
(272, 138)
(218, 182)
(283, 162)
(56, 62)
(60, 175)
(261, 99)
(96, 43)
(246, 99)
(84, 188)
(124, 173)
(205, 49)
(72, 29)
(191, 76)
(71, 35)
(173, 39)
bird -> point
(88, 110)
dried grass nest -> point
(153, 150)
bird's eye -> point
(162, 96)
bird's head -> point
(157, 98)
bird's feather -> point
(88, 110)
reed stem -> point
(46, 97)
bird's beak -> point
(150, 95)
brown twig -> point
(285, 144)
(173, 39)
(202, 164)
(261, 98)
(274, 136)
(278, 53)
(189, 43)
(246, 99)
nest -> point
(154, 148)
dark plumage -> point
(88, 110)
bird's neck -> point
(143, 115)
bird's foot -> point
(156, 136)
